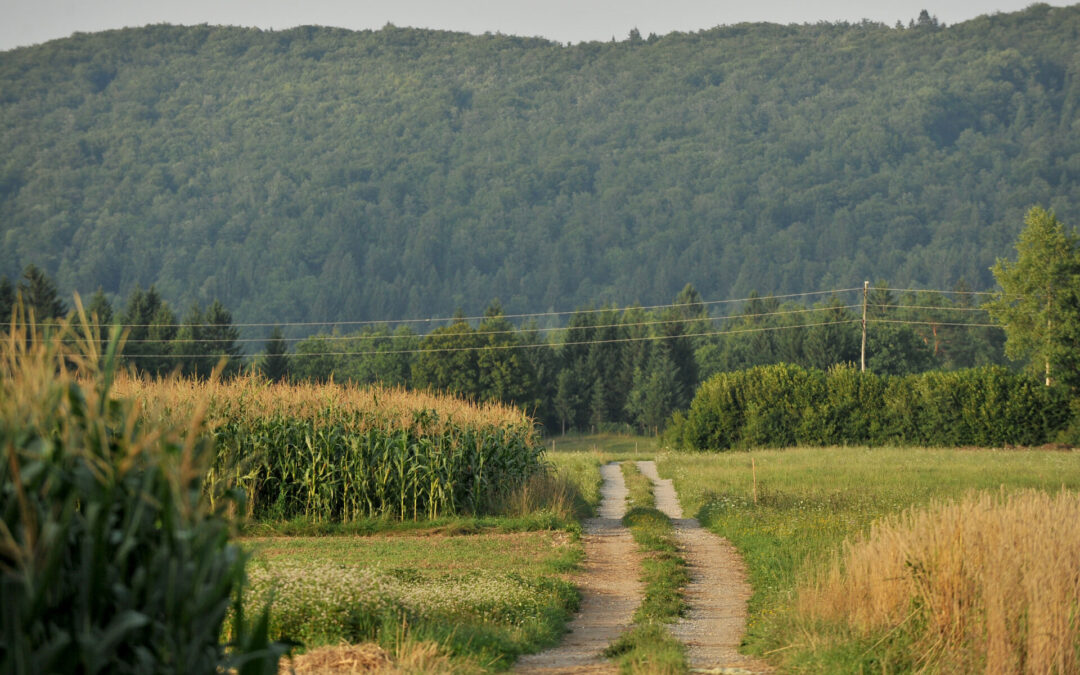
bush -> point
(110, 559)
(783, 405)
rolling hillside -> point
(322, 174)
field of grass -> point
(790, 525)
(394, 518)
(482, 598)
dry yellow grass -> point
(250, 397)
(409, 657)
(990, 583)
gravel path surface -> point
(609, 586)
(716, 620)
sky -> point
(25, 22)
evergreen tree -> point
(160, 334)
(40, 294)
(139, 313)
(221, 338)
(505, 374)
(656, 393)
(836, 340)
(7, 300)
(189, 347)
(448, 361)
(880, 301)
(101, 308)
(276, 364)
(568, 399)
(598, 406)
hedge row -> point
(784, 405)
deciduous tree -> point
(1038, 303)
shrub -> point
(783, 405)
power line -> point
(508, 331)
(644, 338)
(375, 322)
(937, 323)
(952, 292)
(932, 307)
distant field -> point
(810, 501)
(579, 456)
(620, 446)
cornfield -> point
(330, 452)
(110, 558)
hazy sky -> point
(24, 22)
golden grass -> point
(988, 583)
(409, 656)
(544, 492)
(248, 397)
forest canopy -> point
(320, 174)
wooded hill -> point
(322, 174)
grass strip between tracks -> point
(649, 647)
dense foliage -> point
(110, 557)
(1039, 304)
(320, 174)
(338, 453)
(609, 368)
(783, 405)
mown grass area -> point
(648, 646)
(483, 598)
(809, 502)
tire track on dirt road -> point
(715, 622)
(610, 589)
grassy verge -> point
(482, 599)
(791, 523)
(582, 469)
(649, 647)
(449, 525)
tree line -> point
(606, 368)
(612, 368)
(158, 342)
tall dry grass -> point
(989, 583)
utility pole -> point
(865, 293)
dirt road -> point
(609, 586)
(716, 620)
